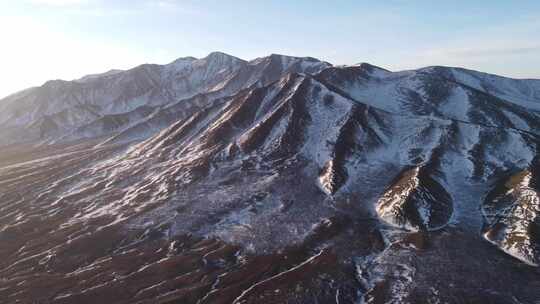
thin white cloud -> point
(174, 6)
(504, 49)
(91, 8)
(165, 4)
(500, 51)
(59, 2)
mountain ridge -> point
(164, 93)
(275, 181)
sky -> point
(67, 39)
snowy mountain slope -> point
(443, 92)
(512, 215)
(336, 184)
(524, 92)
(59, 108)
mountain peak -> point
(94, 76)
(372, 70)
(221, 56)
(182, 62)
(184, 59)
(369, 66)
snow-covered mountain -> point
(279, 180)
(107, 103)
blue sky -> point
(66, 39)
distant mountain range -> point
(114, 102)
(277, 180)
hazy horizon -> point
(67, 39)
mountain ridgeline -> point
(277, 180)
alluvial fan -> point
(276, 180)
